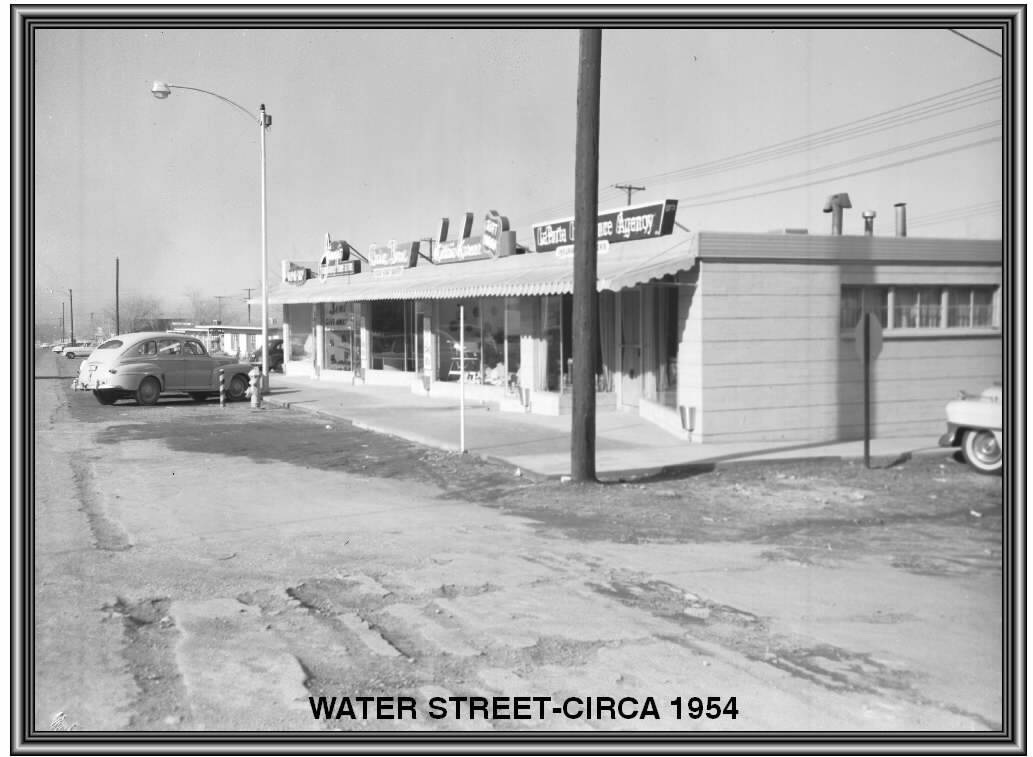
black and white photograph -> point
(499, 379)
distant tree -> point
(135, 313)
(203, 308)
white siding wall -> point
(776, 365)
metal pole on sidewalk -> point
(462, 379)
(867, 391)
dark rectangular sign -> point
(621, 225)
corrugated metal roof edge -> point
(640, 272)
(894, 249)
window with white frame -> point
(920, 307)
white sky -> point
(378, 134)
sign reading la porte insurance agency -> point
(654, 219)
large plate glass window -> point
(342, 336)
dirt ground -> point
(297, 556)
(808, 511)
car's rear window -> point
(110, 344)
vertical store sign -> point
(494, 225)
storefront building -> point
(712, 336)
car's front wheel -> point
(148, 391)
(70, 355)
(105, 397)
(982, 451)
(237, 388)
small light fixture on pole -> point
(161, 90)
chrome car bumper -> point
(949, 439)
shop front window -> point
(342, 336)
(667, 330)
(450, 366)
(493, 341)
(300, 321)
(392, 333)
(558, 361)
(513, 332)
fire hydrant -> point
(254, 390)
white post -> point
(462, 380)
(265, 286)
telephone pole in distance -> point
(629, 189)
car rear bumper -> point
(92, 383)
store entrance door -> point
(631, 348)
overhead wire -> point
(804, 144)
(951, 101)
(851, 161)
(968, 211)
(842, 176)
(974, 42)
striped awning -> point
(623, 265)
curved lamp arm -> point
(161, 90)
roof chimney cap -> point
(838, 200)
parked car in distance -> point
(59, 347)
(77, 349)
(146, 365)
(974, 423)
(275, 355)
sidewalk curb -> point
(675, 470)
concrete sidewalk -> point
(626, 445)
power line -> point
(936, 105)
(843, 176)
(968, 211)
(850, 161)
(825, 138)
(977, 44)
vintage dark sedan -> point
(143, 366)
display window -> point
(393, 338)
(301, 323)
(558, 347)
(343, 337)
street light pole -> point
(265, 263)
(162, 90)
(71, 318)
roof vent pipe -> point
(901, 208)
(869, 222)
(834, 205)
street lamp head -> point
(160, 90)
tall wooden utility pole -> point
(586, 209)
(71, 317)
(117, 329)
(629, 189)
